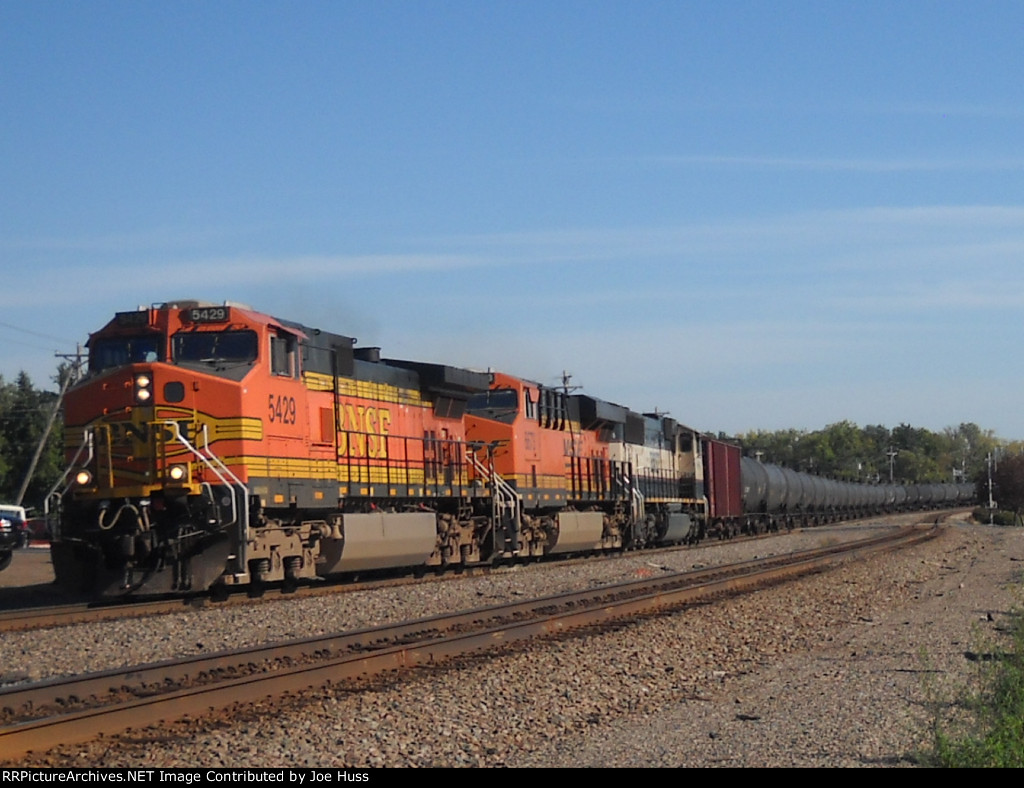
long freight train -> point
(212, 445)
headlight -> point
(143, 388)
(83, 478)
(177, 473)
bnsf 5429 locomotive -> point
(210, 444)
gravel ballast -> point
(839, 669)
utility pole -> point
(71, 376)
(991, 503)
(891, 454)
(566, 377)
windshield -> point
(117, 351)
(499, 405)
(216, 346)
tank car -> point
(745, 495)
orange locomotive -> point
(214, 445)
(585, 474)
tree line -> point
(902, 455)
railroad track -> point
(40, 716)
(37, 617)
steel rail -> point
(25, 618)
(577, 609)
(41, 616)
(185, 669)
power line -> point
(35, 333)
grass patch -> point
(993, 735)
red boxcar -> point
(723, 484)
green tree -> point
(918, 452)
(1008, 485)
(25, 413)
(845, 451)
(968, 446)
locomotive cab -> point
(555, 476)
(152, 502)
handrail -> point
(212, 461)
(637, 507)
(227, 477)
(54, 527)
(505, 496)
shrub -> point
(999, 517)
(996, 739)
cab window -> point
(282, 356)
(498, 405)
(215, 347)
(109, 352)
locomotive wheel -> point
(292, 567)
(258, 569)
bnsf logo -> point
(126, 432)
(364, 432)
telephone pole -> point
(72, 375)
(991, 502)
(891, 454)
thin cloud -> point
(939, 109)
(840, 164)
(144, 240)
(980, 244)
(218, 272)
(670, 104)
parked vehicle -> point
(13, 532)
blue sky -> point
(751, 215)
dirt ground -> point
(29, 579)
(30, 566)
